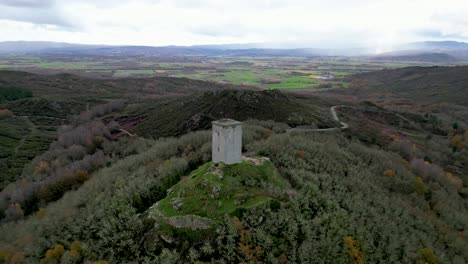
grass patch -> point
(345, 84)
(342, 74)
(242, 77)
(121, 73)
(217, 189)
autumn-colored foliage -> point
(267, 133)
(427, 255)
(454, 180)
(75, 245)
(4, 256)
(82, 176)
(282, 259)
(11, 257)
(420, 186)
(53, 254)
(40, 214)
(18, 257)
(354, 250)
(98, 140)
(460, 141)
(389, 173)
(42, 167)
(4, 113)
(300, 154)
(246, 247)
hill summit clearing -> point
(198, 201)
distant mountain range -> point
(18, 47)
(429, 51)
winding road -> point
(334, 116)
(346, 126)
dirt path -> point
(334, 116)
(346, 126)
(126, 132)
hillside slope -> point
(418, 57)
(68, 85)
(419, 84)
(344, 205)
(180, 115)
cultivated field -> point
(267, 72)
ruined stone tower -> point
(227, 141)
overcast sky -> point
(331, 23)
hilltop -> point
(200, 200)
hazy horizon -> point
(283, 24)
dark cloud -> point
(27, 3)
(39, 12)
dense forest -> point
(393, 188)
(13, 93)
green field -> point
(288, 72)
(122, 73)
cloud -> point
(433, 34)
(333, 23)
(27, 3)
(38, 12)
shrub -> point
(14, 93)
(41, 213)
(75, 245)
(85, 135)
(275, 205)
(81, 176)
(98, 110)
(14, 212)
(42, 167)
(300, 154)
(54, 254)
(267, 133)
(253, 253)
(420, 186)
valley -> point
(268, 72)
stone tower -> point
(227, 141)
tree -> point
(354, 251)
(427, 255)
(420, 186)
